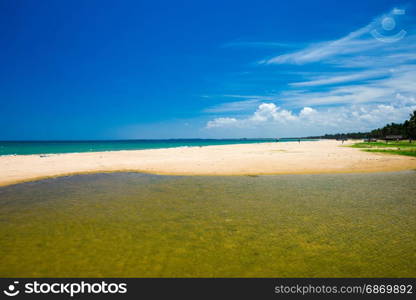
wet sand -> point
(320, 157)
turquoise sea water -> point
(48, 147)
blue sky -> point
(204, 69)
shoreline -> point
(214, 142)
(317, 157)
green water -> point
(135, 225)
(48, 147)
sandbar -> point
(307, 157)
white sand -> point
(245, 159)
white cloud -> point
(311, 121)
(269, 111)
(222, 122)
(307, 112)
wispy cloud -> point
(245, 44)
(254, 97)
(355, 42)
(382, 90)
(365, 83)
(326, 80)
(235, 106)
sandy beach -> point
(327, 156)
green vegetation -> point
(133, 225)
(400, 147)
(406, 130)
(408, 152)
(395, 144)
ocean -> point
(50, 147)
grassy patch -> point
(398, 148)
(400, 144)
(408, 152)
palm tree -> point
(411, 127)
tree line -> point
(407, 130)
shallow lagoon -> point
(136, 225)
